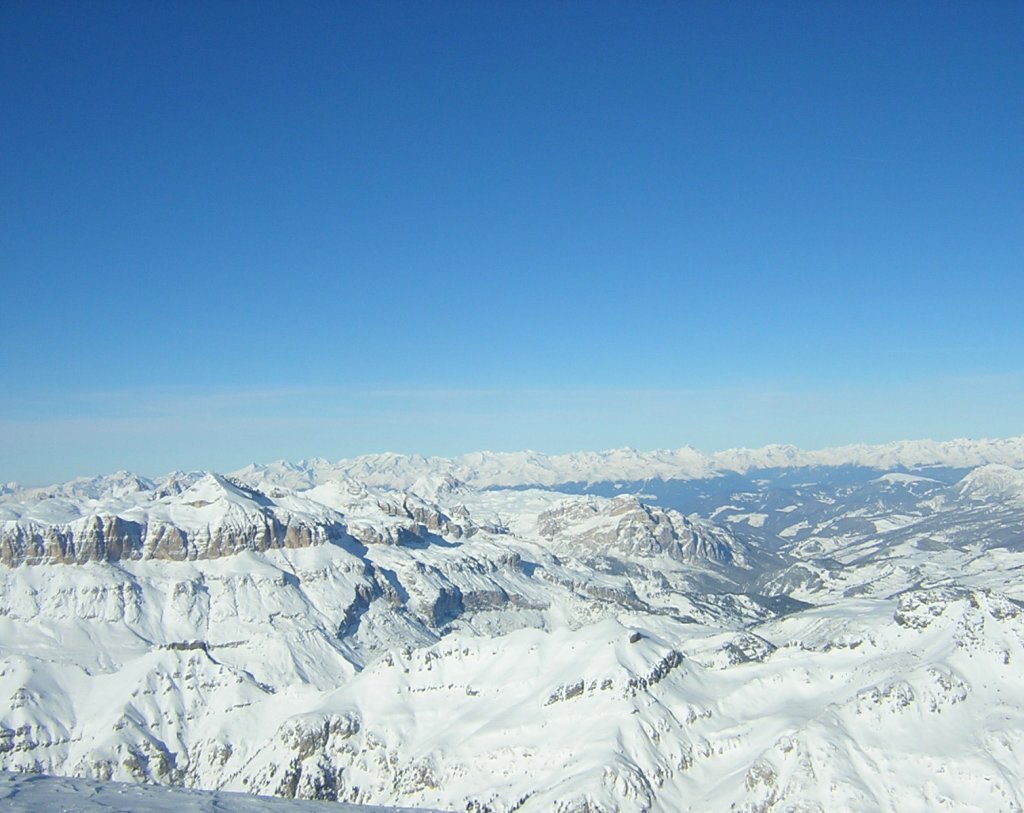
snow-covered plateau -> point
(755, 630)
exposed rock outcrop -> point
(630, 527)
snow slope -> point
(32, 793)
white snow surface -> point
(994, 481)
(34, 793)
(391, 631)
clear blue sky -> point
(246, 231)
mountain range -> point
(753, 630)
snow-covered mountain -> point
(615, 631)
(487, 469)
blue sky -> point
(246, 231)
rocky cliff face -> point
(106, 538)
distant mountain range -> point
(486, 469)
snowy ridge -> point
(201, 516)
(424, 475)
(488, 469)
(962, 453)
